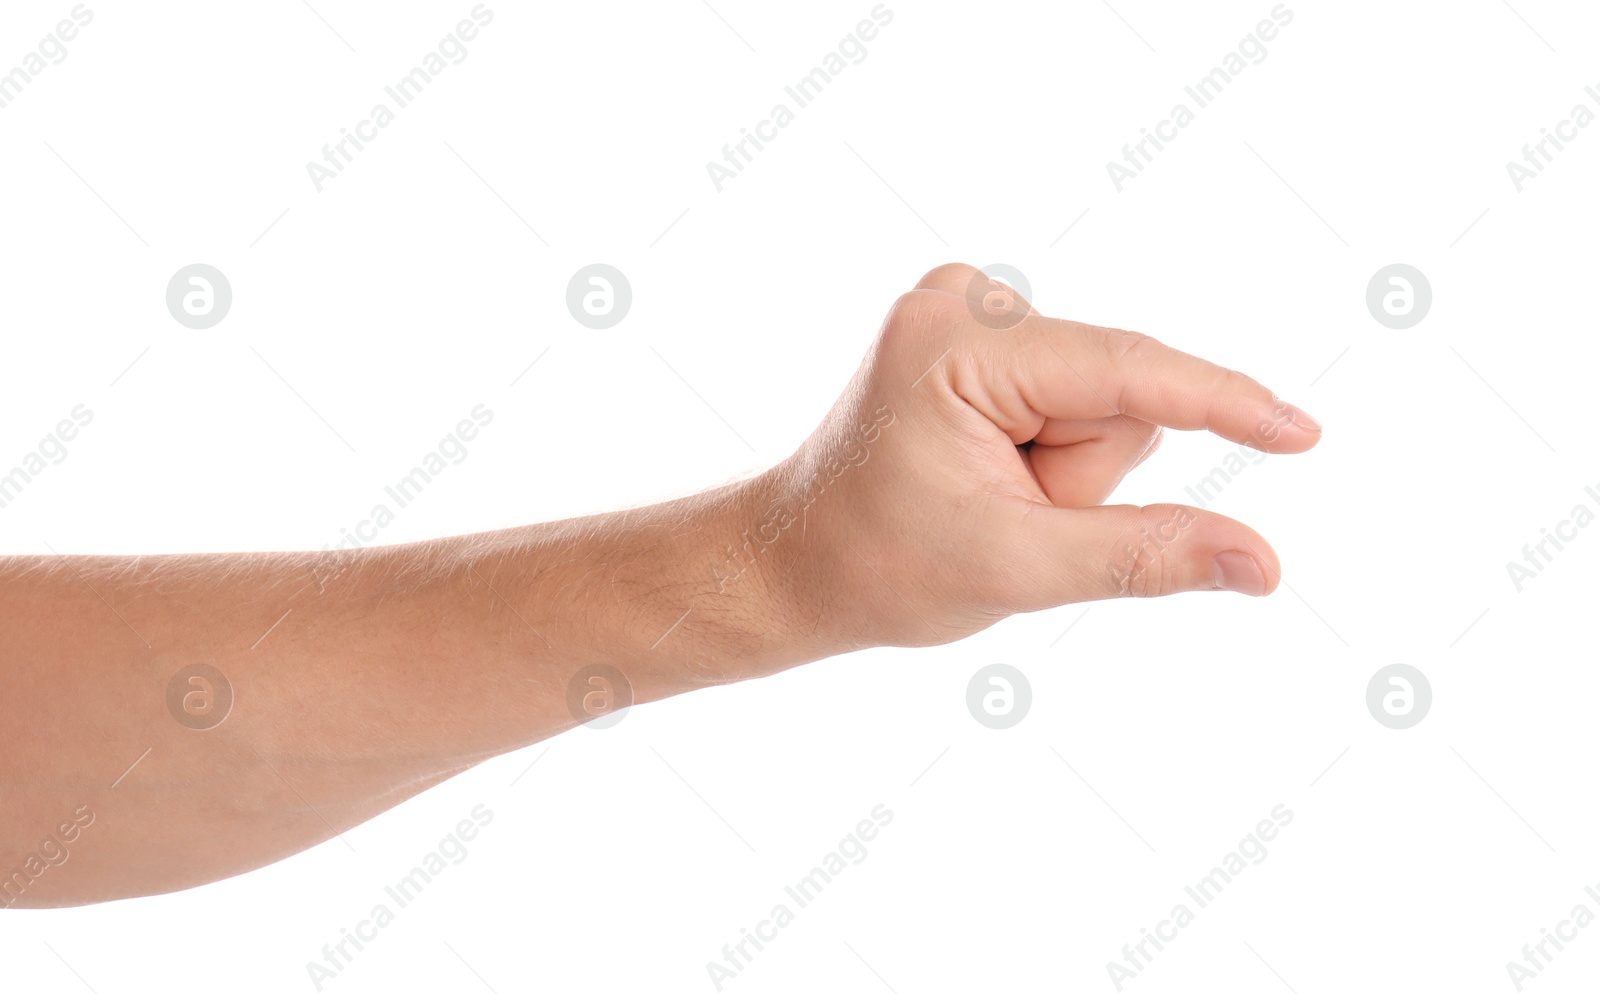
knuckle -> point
(1147, 561)
(1128, 347)
(1147, 577)
(917, 314)
(1232, 381)
(952, 277)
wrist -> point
(747, 563)
(673, 596)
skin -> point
(958, 480)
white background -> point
(371, 317)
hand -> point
(960, 478)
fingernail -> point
(1239, 571)
(1301, 419)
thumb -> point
(1125, 550)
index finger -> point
(1069, 370)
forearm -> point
(358, 679)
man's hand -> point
(957, 481)
(960, 478)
